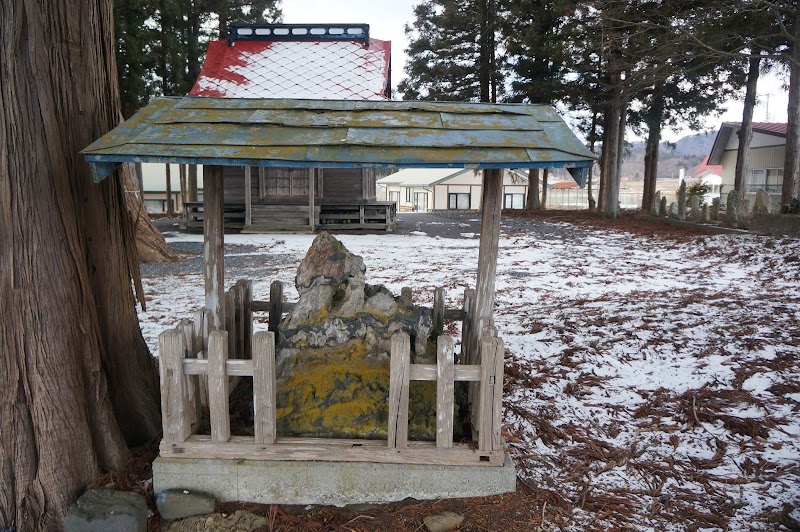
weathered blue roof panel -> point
(329, 133)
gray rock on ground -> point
(105, 510)
(763, 203)
(674, 211)
(732, 209)
(714, 214)
(443, 522)
(662, 207)
(694, 203)
(180, 503)
(656, 203)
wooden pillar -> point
(248, 197)
(491, 205)
(214, 238)
(311, 177)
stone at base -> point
(237, 521)
(443, 522)
(180, 503)
(105, 510)
(333, 483)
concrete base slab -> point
(333, 483)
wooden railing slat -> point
(218, 386)
(491, 393)
(428, 372)
(437, 314)
(175, 411)
(445, 391)
(398, 391)
(264, 393)
(275, 305)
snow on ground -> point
(652, 382)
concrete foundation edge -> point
(330, 483)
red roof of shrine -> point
(335, 70)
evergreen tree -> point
(451, 52)
(160, 42)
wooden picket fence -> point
(196, 370)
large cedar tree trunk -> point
(746, 131)
(532, 201)
(612, 150)
(76, 378)
(790, 187)
(653, 120)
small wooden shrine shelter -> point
(305, 61)
(198, 359)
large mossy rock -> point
(334, 349)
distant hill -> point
(699, 144)
(687, 153)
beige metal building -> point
(447, 189)
(767, 151)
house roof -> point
(422, 177)
(705, 168)
(338, 70)
(776, 129)
(334, 133)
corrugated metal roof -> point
(777, 129)
(421, 177)
(333, 133)
(715, 169)
(344, 70)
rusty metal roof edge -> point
(109, 162)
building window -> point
(767, 179)
(458, 201)
(514, 201)
(408, 194)
(394, 195)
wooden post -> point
(311, 176)
(248, 197)
(214, 238)
(218, 387)
(186, 328)
(491, 396)
(398, 390)
(264, 396)
(437, 317)
(445, 375)
(175, 411)
(491, 205)
(275, 306)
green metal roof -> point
(330, 133)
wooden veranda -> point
(199, 358)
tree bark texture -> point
(601, 187)
(590, 178)
(651, 155)
(545, 175)
(746, 131)
(150, 243)
(76, 378)
(533, 202)
(192, 183)
(791, 163)
(169, 209)
(612, 146)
